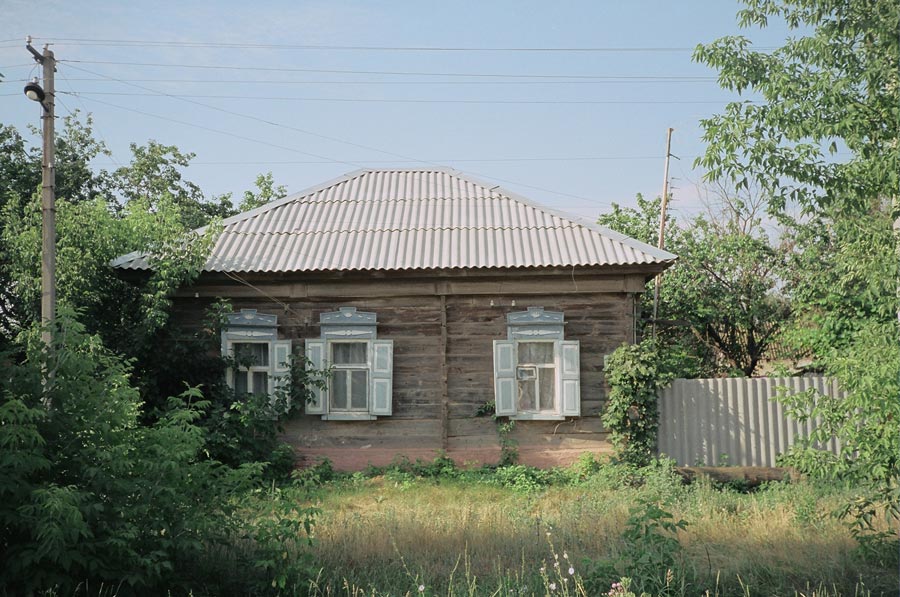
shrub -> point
(634, 374)
(651, 555)
(523, 478)
(88, 494)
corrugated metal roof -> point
(411, 219)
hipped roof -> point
(412, 219)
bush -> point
(634, 374)
(88, 494)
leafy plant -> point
(88, 494)
(509, 447)
(631, 413)
(522, 478)
(651, 559)
(279, 535)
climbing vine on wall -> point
(634, 375)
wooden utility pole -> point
(662, 224)
(48, 192)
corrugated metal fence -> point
(734, 421)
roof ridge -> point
(388, 229)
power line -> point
(428, 161)
(400, 73)
(253, 46)
(327, 159)
(401, 101)
(99, 132)
(257, 119)
(344, 82)
(334, 139)
(226, 133)
(441, 161)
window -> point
(261, 360)
(350, 377)
(536, 371)
(360, 386)
(251, 373)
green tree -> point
(155, 174)
(89, 236)
(20, 179)
(266, 191)
(719, 308)
(821, 135)
(87, 494)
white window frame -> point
(347, 325)
(250, 327)
(267, 369)
(537, 325)
(348, 369)
(537, 385)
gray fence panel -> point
(734, 420)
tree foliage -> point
(89, 494)
(266, 191)
(631, 414)
(719, 308)
(117, 467)
(832, 89)
(821, 136)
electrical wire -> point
(326, 137)
(261, 46)
(398, 73)
(406, 101)
(446, 161)
(262, 120)
(99, 132)
(340, 82)
(226, 133)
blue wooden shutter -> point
(318, 403)
(570, 378)
(505, 377)
(280, 360)
(381, 369)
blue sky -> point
(575, 130)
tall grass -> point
(467, 534)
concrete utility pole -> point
(46, 97)
(662, 224)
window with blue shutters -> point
(260, 361)
(537, 371)
(360, 386)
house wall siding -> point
(443, 331)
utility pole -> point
(46, 97)
(662, 224)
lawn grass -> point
(490, 534)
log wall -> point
(443, 330)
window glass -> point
(535, 353)
(252, 354)
(260, 382)
(527, 393)
(240, 382)
(547, 388)
(359, 382)
(349, 353)
(339, 390)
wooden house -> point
(436, 299)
